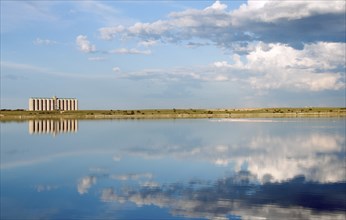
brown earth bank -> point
(20, 114)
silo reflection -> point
(53, 126)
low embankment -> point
(175, 113)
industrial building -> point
(50, 104)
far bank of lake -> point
(6, 114)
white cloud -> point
(273, 11)
(131, 51)
(217, 6)
(251, 22)
(84, 44)
(192, 203)
(108, 33)
(179, 26)
(85, 183)
(147, 43)
(155, 28)
(220, 78)
(318, 151)
(39, 41)
(316, 67)
(116, 69)
(313, 155)
(222, 64)
(109, 195)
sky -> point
(174, 54)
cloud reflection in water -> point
(240, 195)
(319, 157)
(85, 183)
(191, 168)
(277, 177)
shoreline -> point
(308, 112)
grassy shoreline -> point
(6, 115)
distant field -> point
(175, 113)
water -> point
(174, 169)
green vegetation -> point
(20, 114)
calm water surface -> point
(174, 169)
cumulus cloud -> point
(317, 67)
(283, 21)
(84, 44)
(268, 21)
(274, 11)
(108, 33)
(179, 26)
(217, 6)
(222, 64)
(269, 49)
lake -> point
(289, 168)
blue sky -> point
(174, 54)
